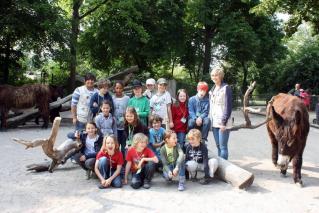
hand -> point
(82, 158)
(199, 121)
(95, 104)
(140, 163)
(170, 175)
(175, 172)
(107, 182)
(74, 120)
(171, 125)
(103, 182)
(125, 181)
(222, 128)
(77, 134)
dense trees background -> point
(183, 39)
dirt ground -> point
(67, 190)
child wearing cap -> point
(150, 88)
(139, 102)
(100, 96)
(198, 108)
(161, 102)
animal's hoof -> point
(283, 173)
(299, 183)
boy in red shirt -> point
(141, 162)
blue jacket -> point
(99, 100)
(198, 107)
(97, 144)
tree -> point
(27, 26)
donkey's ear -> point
(276, 117)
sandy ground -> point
(67, 190)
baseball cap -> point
(161, 81)
(136, 83)
(150, 81)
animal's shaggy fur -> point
(24, 97)
(288, 131)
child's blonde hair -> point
(195, 133)
(117, 146)
(139, 137)
(168, 133)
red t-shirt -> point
(116, 159)
(179, 112)
(135, 157)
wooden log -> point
(34, 112)
(235, 175)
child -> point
(160, 103)
(120, 101)
(105, 121)
(180, 116)
(140, 161)
(198, 107)
(156, 139)
(150, 88)
(139, 102)
(172, 157)
(197, 157)
(98, 97)
(132, 126)
(91, 144)
(108, 163)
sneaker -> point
(146, 185)
(181, 186)
(194, 179)
(73, 161)
(204, 181)
(88, 174)
(101, 186)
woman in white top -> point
(220, 100)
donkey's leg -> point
(274, 146)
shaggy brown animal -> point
(24, 97)
(288, 130)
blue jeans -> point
(221, 139)
(145, 175)
(106, 172)
(204, 127)
(181, 171)
(181, 139)
(122, 140)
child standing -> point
(98, 97)
(156, 139)
(91, 144)
(198, 107)
(180, 116)
(140, 161)
(139, 102)
(108, 163)
(161, 102)
(197, 157)
(105, 121)
(132, 126)
(120, 104)
(150, 88)
(172, 157)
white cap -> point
(150, 81)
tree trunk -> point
(6, 62)
(74, 41)
(244, 84)
(208, 48)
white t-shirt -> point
(159, 102)
(89, 145)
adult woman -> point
(220, 100)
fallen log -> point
(235, 175)
(34, 112)
(58, 155)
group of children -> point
(149, 131)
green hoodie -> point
(142, 107)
